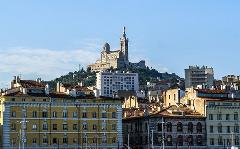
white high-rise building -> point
(109, 83)
(196, 75)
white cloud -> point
(45, 63)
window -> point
(180, 140)
(54, 126)
(45, 140)
(33, 99)
(228, 129)
(210, 116)
(74, 114)
(211, 129)
(65, 114)
(54, 141)
(34, 127)
(199, 140)
(65, 140)
(113, 126)
(85, 126)
(75, 140)
(85, 139)
(65, 127)
(211, 141)
(179, 127)
(219, 116)
(94, 115)
(235, 116)
(220, 140)
(169, 140)
(104, 139)
(75, 127)
(13, 114)
(169, 127)
(94, 127)
(113, 114)
(34, 140)
(190, 127)
(45, 126)
(13, 126)
(190, 140)
(44, 114)
(104, 114)
(34, 114)
(236, 140)
(199, 127)
(84, 115)
(114, 140)
(104, 126)
(23, 99)
(159, 127)
(219, 128)
(236, 128)
(54, 114)
(227, 117)
(13, 99)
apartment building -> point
(173, 127)
(109, 83)
(196, 75)
(223, 123)
(33, 117)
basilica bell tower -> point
(124, 45)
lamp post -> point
(22, 134)
(163, 139)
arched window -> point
(190, 127)
(180, 140)
(199, 127)
(169, 140)
(199, 140)
(190, 140)
(179, 126)
(169, 127)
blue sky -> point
(50, 38)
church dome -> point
(106, 47)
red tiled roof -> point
(31, 84)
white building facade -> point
(109, 83)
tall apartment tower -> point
(196, 75)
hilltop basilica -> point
(115, 59)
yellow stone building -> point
(33, 117)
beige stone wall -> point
(170, 97)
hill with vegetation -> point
(88, 78)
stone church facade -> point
(115, 59)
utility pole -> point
(163, 145)
(22, 134)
